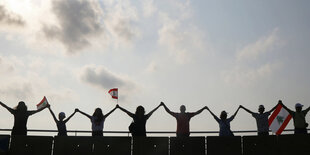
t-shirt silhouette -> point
(20, 121)
(183, 122)
(262, 121)
(62, 129)
(140, 122)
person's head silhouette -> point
(98, 115)
(280, 102)
(261, 109)
(182, 108)
(298, 107)
(61, 116)
(223, 115)
(140, 111)
(21, 106)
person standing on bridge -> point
(21, 115)
(61, 121)
(97, 120)
(261, 119)
(183, 119)
(224, 122)
(137, 127)
(299, 117)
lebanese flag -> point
(279, 120)
(43, 103)
(114, 93)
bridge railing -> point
(77, 132)
(164, 145)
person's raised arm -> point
(126, 111)
(66, 120)
(247, 110)
(271, 110)
(307, 110)
(234, 115)
(6, 107)
(199, 111)
(286, 108)
(215, 117)
(109, 113)
(167, 109)
(83, 113)
(52, 113)
(151, 112)
(31, 112)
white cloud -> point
(25, 81)
(103, 78)
(120, 17)
(249, 68)
(242, 75)
(9, 18)
(19, 89)
(152, 67)
(33, 86)
(148, 7)
(78, 21)
(5, 66)
(180, 39)
(72, 26)
(253, 50)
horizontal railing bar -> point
(152, 132)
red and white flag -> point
(279, 120)
(114, 93)
(43, 103)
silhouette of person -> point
(261, 119)
(299, 117)
(97, 120)
(183, 119)
(139, 120)
(224, 122)
(61, 123)
(21, 115)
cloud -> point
(102, 78)
(253, 50)
(246, 76)
(33, 86)
(249, 68)
(82, 23)
(152, 67)
(122, 29)
(17, 89)
(148, 7)
(5, 66)
(180, 39)
(120, 18)
(78, 20)
(9, 65)
(28, 82)
(9, 18)
(73, 25)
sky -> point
(196, 53)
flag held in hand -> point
(43, 103)
(279, 119)
(114, 93)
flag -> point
(279, 119)
(43, 103)
(114, 93)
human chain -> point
(137, 127)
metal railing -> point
(148, 132)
